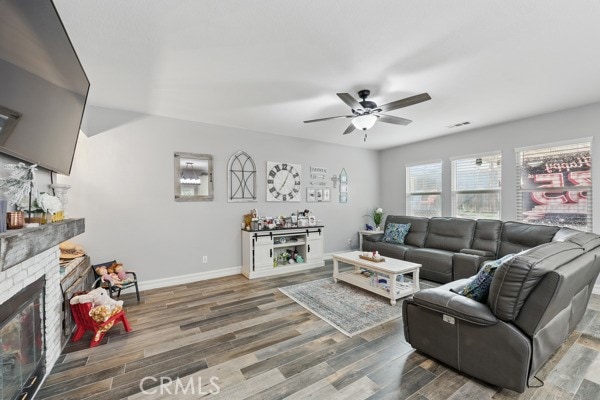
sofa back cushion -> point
(487, 235)
(418, 228)
(450, 234)
(587, 240)
(517, 236)
(513, 281)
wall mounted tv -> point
(43, 87)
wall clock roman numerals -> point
(283, 181)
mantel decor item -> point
(15, 219)
(20, 184)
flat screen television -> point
(43, 87)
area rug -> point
(349, 309)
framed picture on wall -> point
(326, 194)
(311, 195)
(319, 194)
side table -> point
(365, 233)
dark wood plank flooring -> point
(256, 343)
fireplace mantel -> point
(19, 245)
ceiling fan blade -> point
(390, 119)
(349, 129)
(350, 101)
(325, 119)
(409, 101)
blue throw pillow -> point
(395, 233)
(478, 287)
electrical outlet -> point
(204, 259)
(349, 241)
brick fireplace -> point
(29, 258)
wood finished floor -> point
(262, 345)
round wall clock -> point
(283, 181)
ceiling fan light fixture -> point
(364, 122)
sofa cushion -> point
(397, 251)
(436, 265)
(450, 234)
(418, 228)
(514, 280)
(478, 287)
(564, 233)
(395, 233)
(586, 240)
(487, 235)
(517, 236)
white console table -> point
(260, 250)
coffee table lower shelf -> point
(403, 289)
(392, 268)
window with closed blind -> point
(424, 190)
(555, 185)
(476, 184)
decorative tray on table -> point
(373, 259)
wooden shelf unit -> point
(260, 250)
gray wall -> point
(582, 122)
(122, 183)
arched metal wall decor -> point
(241, 175)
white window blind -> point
(476, 184)
(424, 190)
(555, 185)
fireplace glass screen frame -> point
(22, 341)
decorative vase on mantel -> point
(61, 189)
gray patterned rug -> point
(349, 309)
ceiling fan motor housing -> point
(363, 94)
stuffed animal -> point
(108, 275)
(122, 275)
(103, 306)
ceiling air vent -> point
(459, 124)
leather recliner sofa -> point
(535, 301)
(454, 248)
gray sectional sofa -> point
(536, 299)
(454, 248)
(534, 303)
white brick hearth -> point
(28, 254)
(19, 276)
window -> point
(555, 185)
(476, 184)
(424, 190)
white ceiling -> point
(267, 65)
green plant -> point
(376, 215)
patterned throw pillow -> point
(478, 288)
(395, 233)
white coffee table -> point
(391, 267)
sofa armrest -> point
(465, 265)
(445, 301)
(373, 238)
(480, 253)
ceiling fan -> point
(365, 113)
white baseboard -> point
(183, 279)
(596, 289)
(199, 276)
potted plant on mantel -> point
(19, 184)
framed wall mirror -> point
(193, 177)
